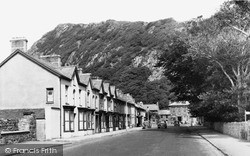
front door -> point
(114, 122)
(107, 122)
(97, 128)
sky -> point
(34, 18)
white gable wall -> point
(23, 84)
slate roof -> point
(67, 71)
(151, 107)
(106, 87)
(85, 78)
(97, 83)
(18, 113)
(180, 103)
(129, 98)
(62, 73)
(120, 95)
(112, 90)
(164, 112)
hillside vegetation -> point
(203, 61)
(124, 53)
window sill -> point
(70, 131)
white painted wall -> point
(23, 85)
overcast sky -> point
(33, 18)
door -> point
(107, 122)
(97, 128)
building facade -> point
(65, 101)
(179, 111)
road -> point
(173, 141)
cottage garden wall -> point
(18, 130)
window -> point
(68, 120)
(50, 95)
(105, 104)
(80, 94)
(85, 120)
(93, 102)
(74, 97)
(66, 94)
(103, 121)
(81, 121)
(96, 104)
(89, 120)
(92, 120)
(110, 121)
(88, 99)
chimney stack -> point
(79, 70)
(54, 60)
(19, 43)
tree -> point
(132, 80)
(186, 74)
(224, 41)
(157, 91)
(216, 106)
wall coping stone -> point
(13, 132)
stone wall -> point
(11, 137)
(239, 130)
(8, 125)
(18, 130)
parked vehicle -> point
(162, 124)
(146, 124)
(177, 123)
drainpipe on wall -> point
(126, 119)
(60, 109)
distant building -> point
(154, 108)
(179, 111)
(164, 114)
(152, 111)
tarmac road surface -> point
(173, 141)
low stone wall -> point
(11, 137)
(239, 130)
(8, 125)
(18, 130)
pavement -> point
(93, 136)
(227, 145)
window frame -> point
(80, 98)
(110, 121)
(66, 94)
(69, 121)
(74, 97)
(88, 98)
(47, 95)
(81, 120)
